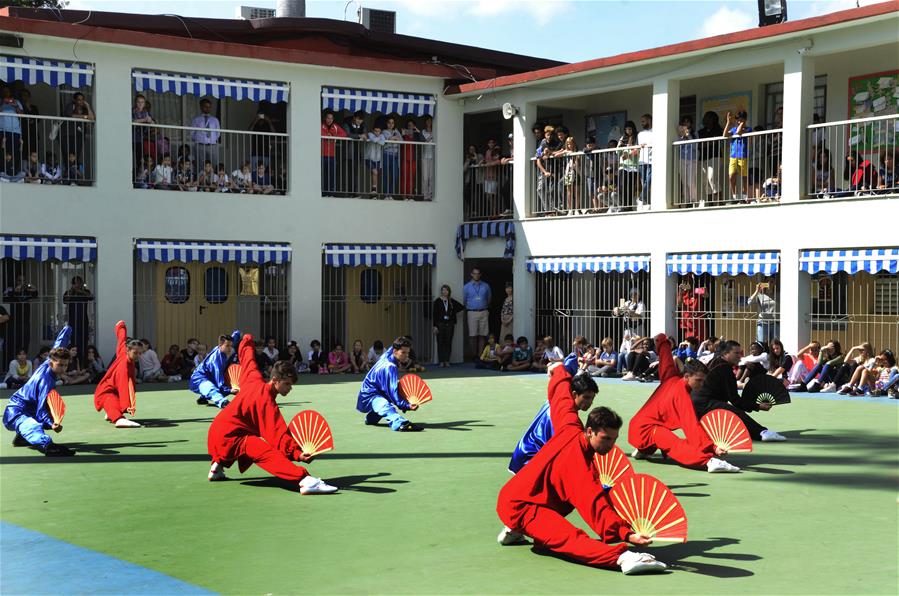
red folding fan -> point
(613, 467)
(727, 431)
(415, 390)
(650, 508)
(232, 376)
(311, 432)
(57, 406)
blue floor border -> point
(34, 563)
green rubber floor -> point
(416, 512)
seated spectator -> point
(806, 359)
(188, 354)
(317, 359)
(551, 353)
(33, 169)
(207, 182)
(200, 356)
(338, 360)
(687, 349)
(825, 181)
(779, 362)
(172, 363)
(860, 173)
(51, 171)
(820, 378)
(858, 359)
(72, 174)
(19, 371)
(506, 351)
(881, 379)
(242, 179)
(95, 364)
(537, 364)
(412, 364)
(146, 176)
(707, 349)
(886, 178)
(605, 360)
(637, 359)
(522, 356)
(42, 355)
(187, 181)
(771, 188)
(163, 176)
(262, 362)
(755, 363)
(375, 352)
(150, 366)
(75, 373)
(489, 358)
(293, 355)
(358, 358)
(223, 182)
(271, 351)
(184, 154)
(262, 183)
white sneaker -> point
(174, 378)
(2, 385)
(637, 454)
(629, 377)
(508, 536)
(716, 465)
(216, 472)
(633, 562)
(829, 388)
(125, 423)
(310, 485)
(770, 436)
(812, 384)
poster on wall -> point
(741, 101)
(870, 96)
(606, 127)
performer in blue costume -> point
(208, 379)
(379, 396)
(27, 412)
(583, 390)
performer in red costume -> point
(561, 478)
(115, 392)
(252, 431)
(670, 408)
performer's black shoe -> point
(408, 427)
(202, 401)
(54, 450)
(19, 441)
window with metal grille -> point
(177, 285)
(216, 285)
(370, 286)
(829, 301)
(886, 295)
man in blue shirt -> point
(739, 162)
(208, 379)
(379, 395)
(476, 297)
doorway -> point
(495, 273)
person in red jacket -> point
(670, 408)
(115, 392)
(252, 431)
(561, 478)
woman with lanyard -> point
(446, 310)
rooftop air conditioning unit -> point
(253, 12)
(382, 21)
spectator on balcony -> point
(223, 182)
(472, 180)
(30, 126)
(77, 134)
(33, 168)
(146, 177)
(141, 135)
(886, 179)
(606, 197)
(644, 139)
(206, 134)
(771, 188)
(51, 171)
(11, 170)
(72, 172)
(11, 128)
(591, 165)
(687, 167)
(156, 144)
(628, 165)
(710, 164)
(374, 156)
(184, 154)
(491, 145)
(207, 180)
(409, 168)
(163, 176)
(860, 173)
(242, 178)
(329, 151)
(546, 180)
(427, 159)
(825, 181)
(490, 172)
(261, 144)
(390, 172)
(357, 178)
(186, 179)
(571, 176)
(262, 182)
(738, 166)
(819, 140)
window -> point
(177, 285)
(216, 286)
(886, 295)
(370, 286)
(829, 300)
(774, 98)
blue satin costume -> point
(208, 379)
(379, 396)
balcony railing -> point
(393, 170)
(602, 181)
(174, 158)
(853, 158)
(47, 150)
(488, 191)
(727, 170)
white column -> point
(115, 288)
(794, 301)
(522, 168)
(661, 304)
(113, 171)
(799, 88)
(665, 108)
(524, 290)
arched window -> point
(177, 285)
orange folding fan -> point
(650, 508)
(415, 390)
(232, 376)
(727, 431)
(311, 432)
(57, 406)
(613, 467)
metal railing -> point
(377, 168)
(601, 181)
(488, 191)
(241, 161)
(853, 158)
(727, 170)
(47, 150)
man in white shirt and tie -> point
(206, 140)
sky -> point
(564, 30)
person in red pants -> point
(251, 429)
(561, 478)
(670, 408)
(115, 391)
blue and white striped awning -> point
(486, 229)
(202, 86)
(166, 251)
(385, 255)
(721, 263)
(50, 72)
(385, 102)
(596, 264)
(48, 248)
(871, 260)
